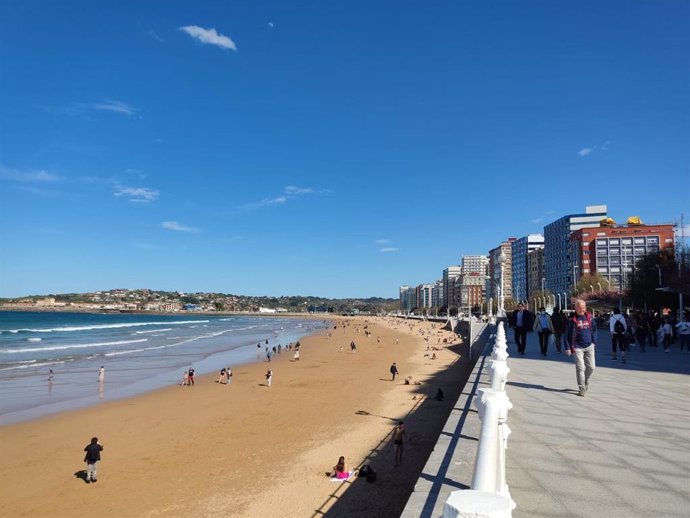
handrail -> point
(489, 496)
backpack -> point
(618, 327)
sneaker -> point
(582, 391)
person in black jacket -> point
(521, 320)
(93, 455)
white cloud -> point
(174, 225)
(136, 194)
(209, 36)
(585, 151)
(289, 192)
(41, 176)
(115, 106)
(291, 189)
(389, 249)
(271, 25)
(382, 241)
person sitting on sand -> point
(340, 469)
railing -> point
(489, 495)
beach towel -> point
(350, 474)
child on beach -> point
(269, 377)
(222, 377)
(185, 379)
(340, 469)
(228, 375)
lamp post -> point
(559, 300)
(502, 300)
(542, 284)
(565, 300)
(575, 267)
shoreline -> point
(217, 450)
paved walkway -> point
(621, 451)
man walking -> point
(544, 328)
(618, 328)
(394, 371)
(581, 340)
(398, 441)
(521, 320)
(93, 455)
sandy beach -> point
(247, 450)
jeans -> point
(544, 341)
(584, 365)
(619, 340)
(557, 336)
(91, 470)
(684, 341)
(520, 338)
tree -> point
(657, 280)
(591, 283)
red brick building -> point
(613, 251)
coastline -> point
(244, 449)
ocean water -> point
(138, 352)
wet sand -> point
(247, 450)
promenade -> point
(620, 451)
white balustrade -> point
(489, 496)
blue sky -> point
(324, 148)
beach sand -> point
(247, 450)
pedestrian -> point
(642, 332)
(222, 378)
(228, 375)
(269, 377)
(353, 347)
(544, 328)
(398, 441)
(92, 457)
(581, 340)
(618, 328)
(521, 320)
(394, 371)
(51, 377)
(667, 334)
(560, 323)
(190, 376)
(185, 379)
(683, 335)
(296, 355)
(101, 374)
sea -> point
(139, 353)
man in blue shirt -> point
(581, 339)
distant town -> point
(146, 300)
(588, 255)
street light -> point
(559, 300)
(575, 267)
(501, 301)
(542, 284)
(565, 300)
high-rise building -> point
(449, 275)
(475, 264)
(612, 252)
(405, 298)
(437, 294)
(424, 295)
(471, 288)
(501, 272)
(558, 264)
(520, 248)
(535, 270)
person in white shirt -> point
(618, 327)
(684, 335)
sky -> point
(327, 148)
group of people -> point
(188, 378)
(580, 334)
(225, 376)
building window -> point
(601, 234)
(626, 241)
(615, 251)
(613, 241)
